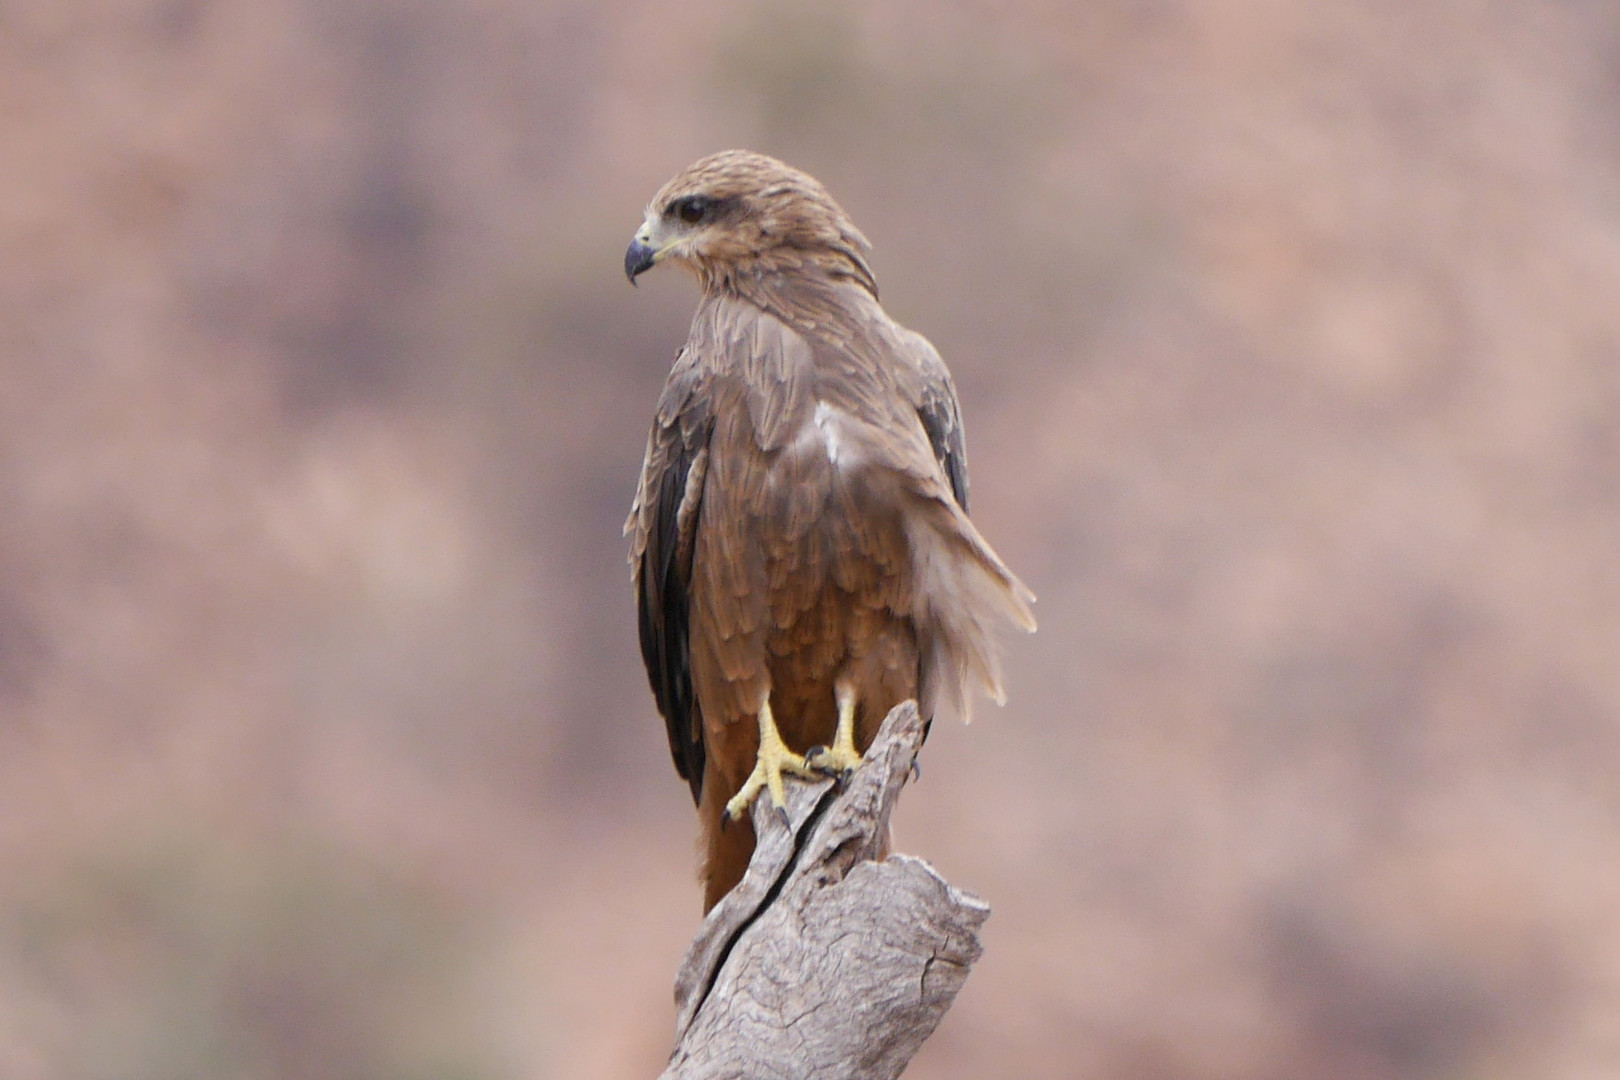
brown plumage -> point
(799, 540)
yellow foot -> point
(841, 758)
(774, 759)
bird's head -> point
(738, 214)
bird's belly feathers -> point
(801, 577)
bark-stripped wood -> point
(822, 962)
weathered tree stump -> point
(823, 962)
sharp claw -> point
(916, 769)
(831, 763)
(775, 760)
(782, 815)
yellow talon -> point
(774, 759)
(842, 757)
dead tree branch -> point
(823, 962)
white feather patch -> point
(827, 421)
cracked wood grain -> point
(826, 961)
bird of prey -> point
(801, 551)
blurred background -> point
(1288, 337)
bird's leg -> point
(774, 759)
(842, 757)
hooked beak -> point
(638, 258)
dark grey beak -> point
(638, 258)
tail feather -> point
(965, 598)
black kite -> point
(802, 554)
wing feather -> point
(941, 416)
(662, 526)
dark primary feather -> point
(945, 436)
(942, 418)
(663, 520)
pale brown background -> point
(1288, 336)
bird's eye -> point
(690, 209)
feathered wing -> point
(964, 595)
(940, 414)
(662, 527)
